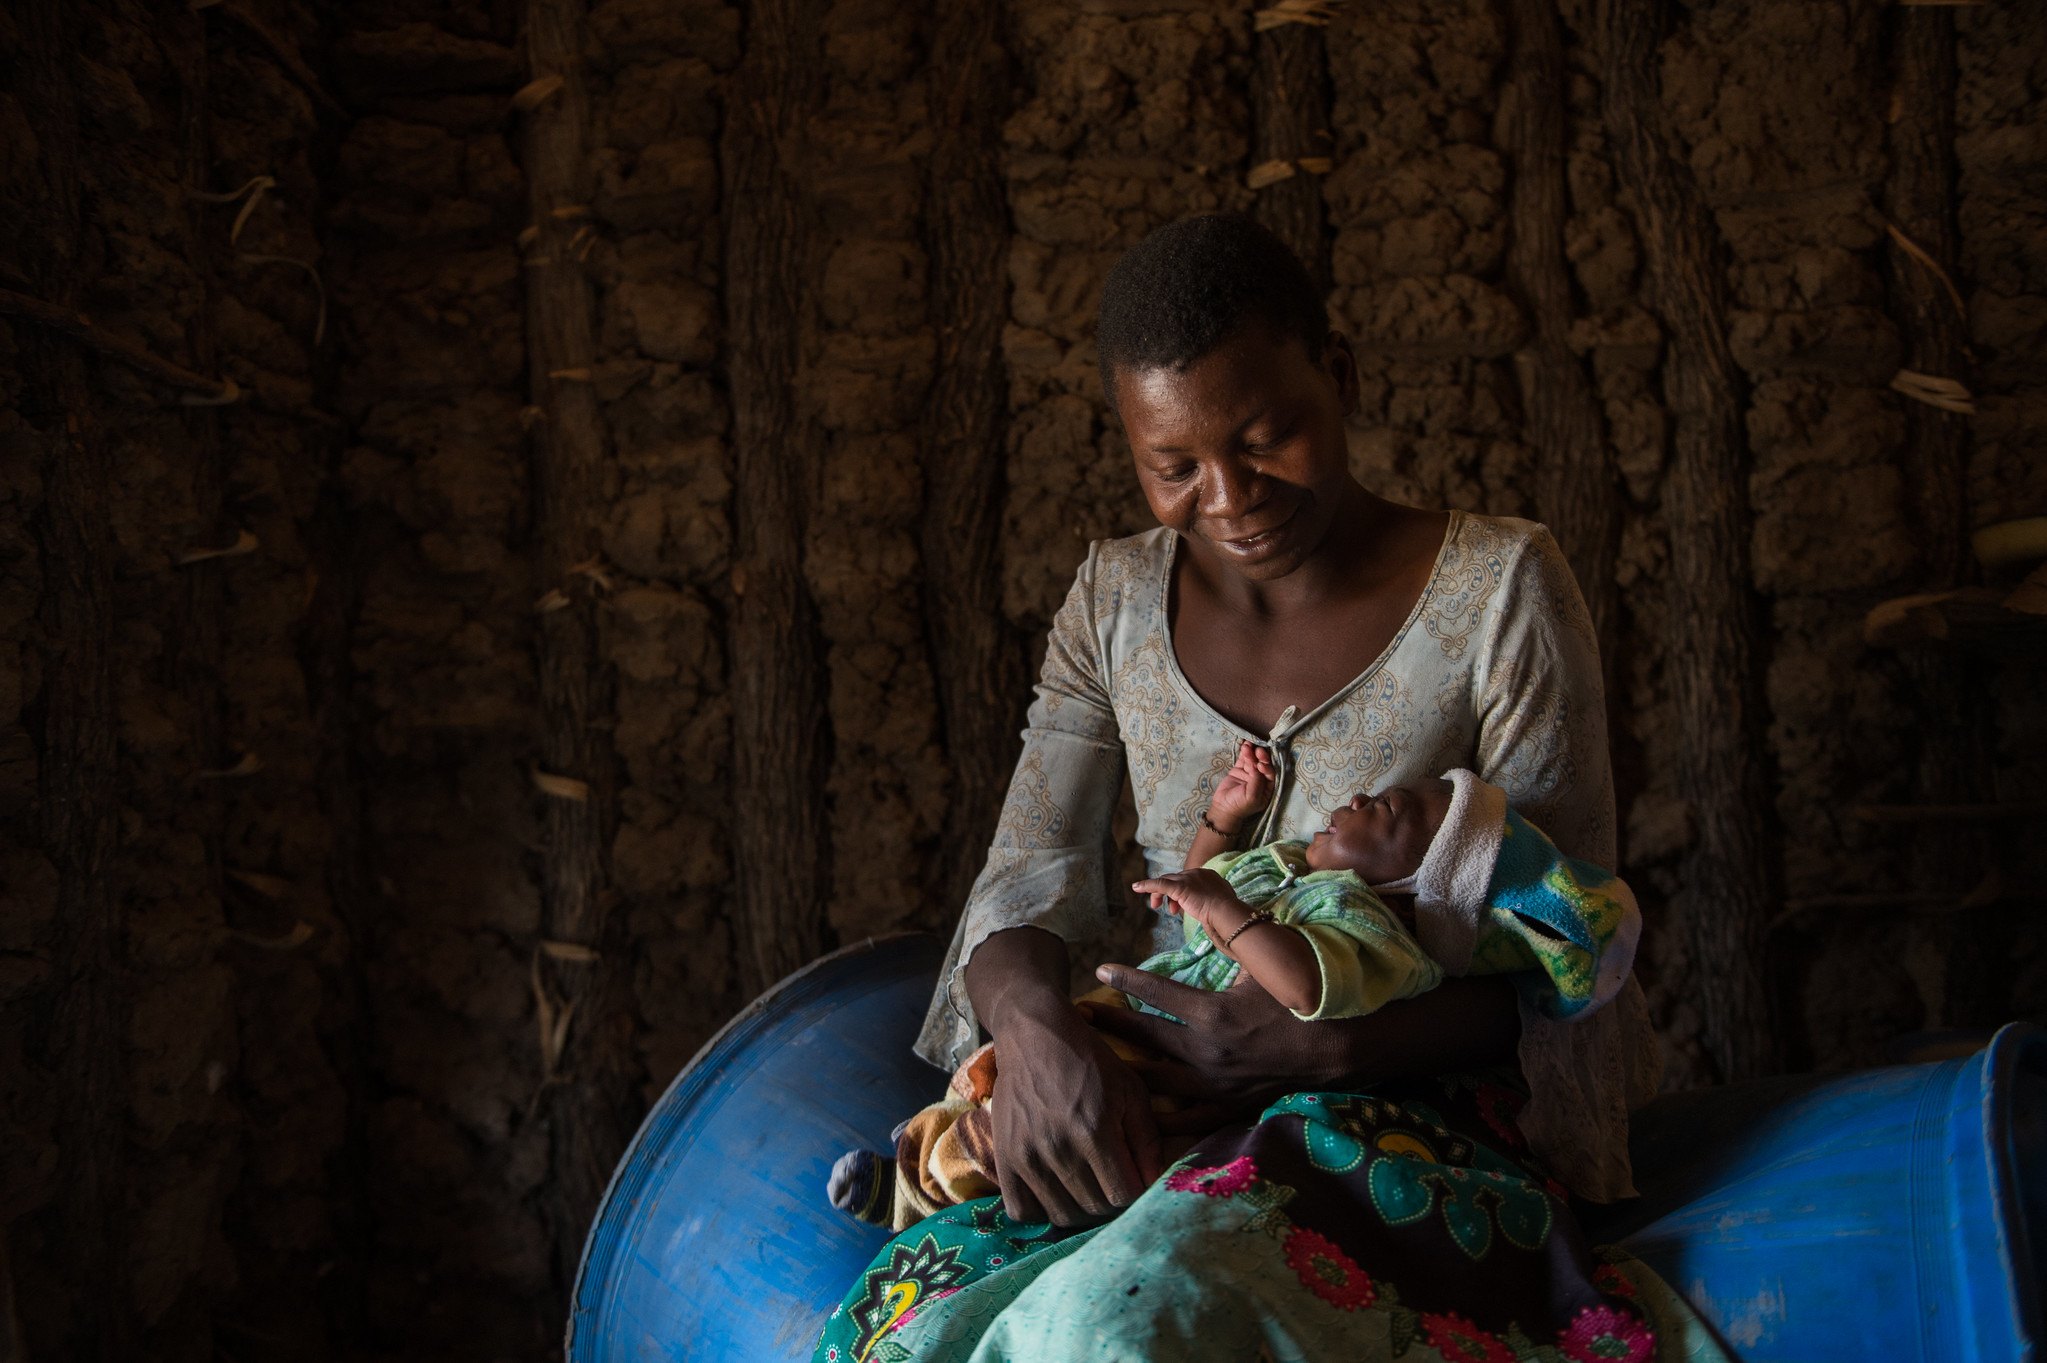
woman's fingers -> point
(1183, 1001)
(1139, 1029)
(1059, 1200)
(1019, 1201)
(1116, 1171)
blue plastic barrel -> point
(714, 1240)
(1895, 1213)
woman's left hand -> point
(1241, 1048)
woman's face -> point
(1243, 451)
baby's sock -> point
(863, 1184)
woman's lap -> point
(1405, 1225)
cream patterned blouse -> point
(1495, 669)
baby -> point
(1492, 895)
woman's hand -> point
(1075, 1138)
(1074, 1133)
(1245, 790)
(1240, 1048)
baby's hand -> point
(1244, 790)
(1196, 894)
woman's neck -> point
(1362, 546)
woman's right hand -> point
(1075, 1138)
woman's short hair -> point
(1184, 289)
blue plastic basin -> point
(1895, 1213)
(714, 1240)
(1891, 1214)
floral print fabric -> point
(1397, 1226)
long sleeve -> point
(1542, 738)
(1542, 705)
(1044, 867)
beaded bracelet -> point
(1257, 916)
(1209, 824)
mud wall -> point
(394, 803)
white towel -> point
(1450, 885)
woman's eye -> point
(1176, 475)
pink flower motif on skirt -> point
(1602, 1334)
(1222, 1180)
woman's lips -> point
(1251, 546)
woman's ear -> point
(1342, 367)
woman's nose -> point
(1233, 489)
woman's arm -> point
(1074, 1133)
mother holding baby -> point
(1391, 1185)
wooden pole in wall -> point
(1576, 489)
(1290, 125)
(1954, 763)
(1920, 202)
(585, 1043)
(781, 735)
(79, 1037)
(978, 664)
(1714, 647)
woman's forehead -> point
(1215, 394)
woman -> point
(1366, 644)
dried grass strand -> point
(2010, 542)
(1925, 258)
(551, 1021)
(245, 543)
(537, 92)
(78, 327)
(230, 393)
(561, 787)
(300, 934)
(595, 569)
(262, 882)
(248, 765)
(1947, 394)
(1316, 13)
(1273, 172)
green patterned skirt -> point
(1406, 1224)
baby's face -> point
(1385, 836)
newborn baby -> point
(1492, 895)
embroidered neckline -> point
(1451, 532)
